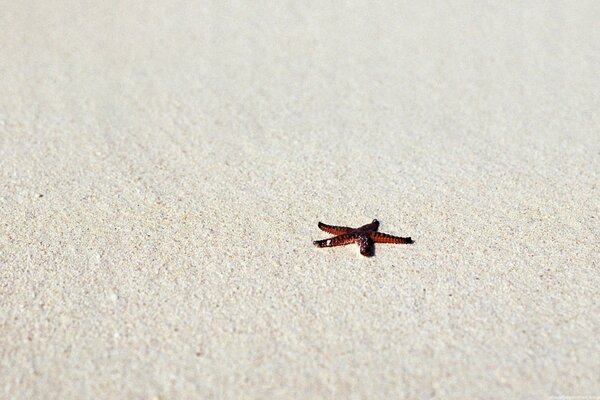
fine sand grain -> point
(163, 167)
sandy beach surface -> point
(163, 167)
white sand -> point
(185, 154)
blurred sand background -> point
(163, 166)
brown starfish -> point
(365, 237)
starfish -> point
(364, 236)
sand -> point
(163, 167)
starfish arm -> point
(336, 241)
(379, 237)
(334, 230)
(373, 226)
(366, 246)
